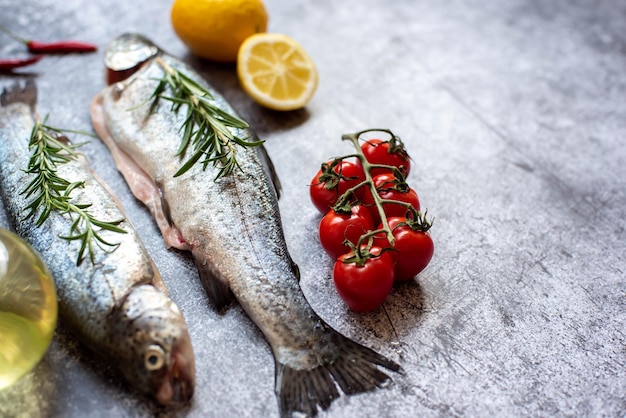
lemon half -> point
(276, 71)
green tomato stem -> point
(415, 219)
(367, 168)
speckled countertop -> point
(514, 112)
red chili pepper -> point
(9, 64)
(60, 47)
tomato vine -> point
(376, 180)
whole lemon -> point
(214, 29)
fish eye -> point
(154, 358)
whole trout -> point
(232, 227)
(117, 305)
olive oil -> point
(28, 308)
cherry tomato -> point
(328, 184)
(336, 227)
(413, 248)
(389, 188)
(364, 288)
(391, 153)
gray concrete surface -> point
(514, 112)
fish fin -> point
(295, 269)
(215, 285)
(271, 170)
(18, 94)
(157, 279)
(354, 369)
(165, 206)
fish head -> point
(126, 54)
(156, 356)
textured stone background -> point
(514, 112)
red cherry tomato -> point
(364, 288)
(413, 249)
(335, 228)
(328, 184)
(390, 153)
(387, 187)
(394, 209)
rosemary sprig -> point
(207, 129)
(49, 148)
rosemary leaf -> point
(110, 226)
(73, 186)
(229, 119)
(189, 163)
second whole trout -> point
(232, 227)
(116, 305)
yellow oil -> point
(28, 308)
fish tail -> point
(20, 94)
(355, 369)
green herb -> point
(49, 148)
(207, 128)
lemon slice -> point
(276, 71)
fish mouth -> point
(178, 383)
(125, 55)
